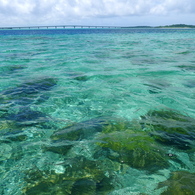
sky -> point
(96, 12)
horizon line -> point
(91, 26)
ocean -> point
(97, 111)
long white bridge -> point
(57, 27)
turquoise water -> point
(52, 79)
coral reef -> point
(28, 92)
(81, 130)
(170, 127)
(16, 102)
(81, 176)
(138, 150)
(64, 139)
(180, 182)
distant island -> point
(177, 26)
(167, 26)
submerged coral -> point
(26, 117)
(81, 130)
(65, 138)
(14, 135)
(118, 142)
(180, 182)
(170, 127)
(33, 87)
(138, 150)
(80, 177)
(11, 132)
(16, 102)
(59, 146)
(28, 92)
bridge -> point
(57, 27)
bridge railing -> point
(58, 27)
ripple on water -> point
(103, 111)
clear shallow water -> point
(82, 74)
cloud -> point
(173, 6)
(40, 12)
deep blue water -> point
(91, 31)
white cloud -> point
(170, 6)
(40, 12)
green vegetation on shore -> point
(177, 26)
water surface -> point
(52, 79)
